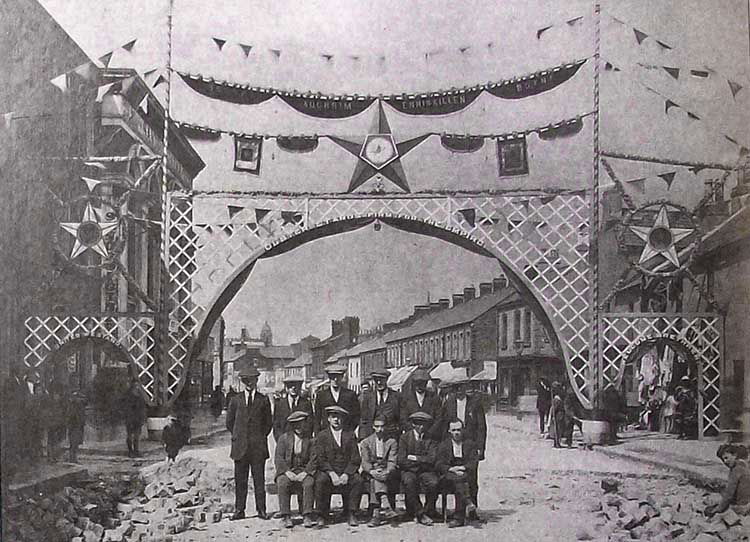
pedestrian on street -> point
(55, 420)
(379, 453)
(557, 415)
(457, 461)
(33, 443)
(381, 401)
(249, 421)
(288, 403)
(295, 468)
(736, 493)
(133, 408)
(668, 413)
(420, 399)
(543, 402)
(217, 402)
(686, 414)
(572, 416)
(336, 395)
(14, 424)
(416, 461)
(76, 419)
(337, 461)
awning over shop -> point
(446, 372)
(399, 377)
(488, 374)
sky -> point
(386, 45)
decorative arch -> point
(132, 336)
(698, 335)
(540, 241)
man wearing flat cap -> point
(381, 401)
(288, 403)
(336, 395)
(295, 468)
(337, 462)
(249, 421)
(420, 399)
(416, 460)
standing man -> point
(288, 403)
(470, 412)
(379, 460)
(457, 461)
(416, 459)
(384, 402)
(249, 422)
(134, 410)
(543, 402)
(295, 468)
(337, 462)
(336, 395)
(420, 399)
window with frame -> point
(460, 354)
(527, 327)
(504, 331)
(517, 326)
(467, 344)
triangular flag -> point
(470, 215)
(327, 57)
(618, 21)
(91, 183)
(674, 72)
(276, 53)
(129, 45)
(663, 45)
(638, 184)
(573, 22)
(143, 104)
(668, 178)
(102, 91)
(8, 118)
(161, 79)
(85, 70)
(542, 31)
(290, 217)
(734, 87)
(260, 214)
(104, 59)
(61, 82)
(544, 200)
(669, 104)
(696, 169)
(639, 36)
(233, 210)
(246, 49)
(731, 139)
(219, 42)
(693, 116)
(462, 50)
(149, 73)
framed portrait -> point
(512, 158)
(247, 154)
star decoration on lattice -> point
(89, 233)
(379, 153)
(661, 238)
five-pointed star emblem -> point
(378, 153)
(89, 233)
(661, 238)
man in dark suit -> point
(457, 462)
(295, 468)
(416, 460)
(286, 404)
(420, 399)
(336, 395)
(337, 462)
(381, 401)
(470, 411)
(249, 421)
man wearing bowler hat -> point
(420, 399)
(336, 395)
(416, 460)
(249, 421)
(337, 462)
(288, 403)
(295, 468)
(384, 402)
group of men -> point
(380, 444)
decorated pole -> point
(596, 362)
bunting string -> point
(89, 70)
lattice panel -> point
(699, 334)
(544, 239)
(134, 334)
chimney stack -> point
(498, 283)
(458, 299)
(485, 288)
(469, 293)
(435, 306)
(445, 303)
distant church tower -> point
(266, 335)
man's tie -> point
(380, 398)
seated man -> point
(337, 461)
(457, 461)
(379, 454)
(416, 459)
(736, 494)
(295, 468)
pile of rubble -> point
(82, 514)
(633, 514)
